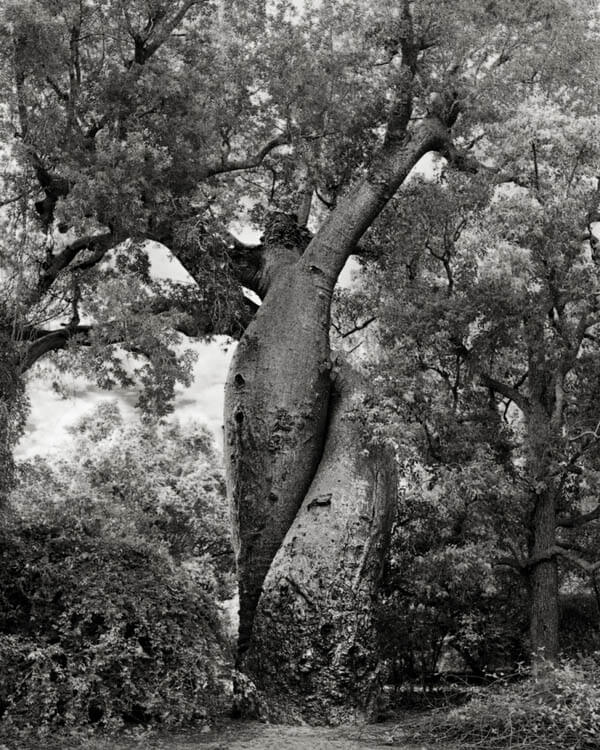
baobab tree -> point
(164, 121)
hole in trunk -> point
(239, 381)
(239, 417)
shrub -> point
(102, 631)
(562, 710)
(159, 481)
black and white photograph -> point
(299, 374)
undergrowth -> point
(561, 711)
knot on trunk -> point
(282, 229)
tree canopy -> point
(178, 122)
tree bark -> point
(543, 418)
(543, 583)
(313, 653)
(276, 417)
(12, 410)
(276, 401)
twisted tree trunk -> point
(315, 612)
(276, 401)
(310, 502)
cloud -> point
(52, 413)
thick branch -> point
(43, 341)
(549, 554)
(336, 240)
(571, 522)
(576, 559)
(52, 341)
(507, 391)
(98, 244)
(160, 32)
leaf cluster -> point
(113, 561)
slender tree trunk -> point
(542, 424)
(314, 651)
(12, 410)
(543, 584)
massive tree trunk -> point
(276, 401)
(310, 503)
(315, 612)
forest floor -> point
(238, 735)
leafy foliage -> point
(487, 296)
(160, 482)
(442, 594)
(112, 565)
(102, 631)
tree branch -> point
(507, 391)
(160, 32)
(571, 522)
(590, 568)
(250, 162)
(356, 328)
(50, 341)
(337, 238)
(99, 244)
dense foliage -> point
(444, 607)
(487, 300)
(175, 122)
(110, 583)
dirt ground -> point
(255, 736)
(248, 736)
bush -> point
(562, 710)
(104, 631)
(158, 481)
(442, 596)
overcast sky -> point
(52, 413)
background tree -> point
(140, 123)
(161, 481)
(494, 342)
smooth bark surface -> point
(316, 608)
(276, 400)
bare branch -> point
(356, 328)
(14, 199)
(595, 434)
